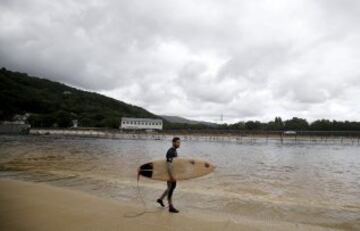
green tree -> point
(238, 126)
(64, 119)
(296, 124)
(253, 125)
(321, 125)
(275, 125)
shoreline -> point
(38, 206)
(208, 137)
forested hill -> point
(52, 103)
(55, 104)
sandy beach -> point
(37, 206)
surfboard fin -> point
(146, 170)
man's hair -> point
(175, 139)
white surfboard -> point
(183, 169)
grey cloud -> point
(256, 63)
(206, 87)
(246, 59)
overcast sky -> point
(197, 59)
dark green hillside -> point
(52, 103)
(55, 104)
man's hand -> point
(171, 178)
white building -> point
(75, 123)
(141, 123)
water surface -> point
(305, 183)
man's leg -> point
(165, 193)
(171, 188)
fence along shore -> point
(224, 136)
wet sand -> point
(37, 206)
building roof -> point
(140, 119)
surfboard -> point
(183, 169)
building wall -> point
(138, 123)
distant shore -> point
(37, 206)
(245, 137)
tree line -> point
(296, 124)
(293, 124)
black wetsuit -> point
(170, 155)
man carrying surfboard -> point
(171, 183)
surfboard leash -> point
(139, 195)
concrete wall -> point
(14, 128)
(252, 139)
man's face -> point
(176, 144)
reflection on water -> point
(311, 183)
